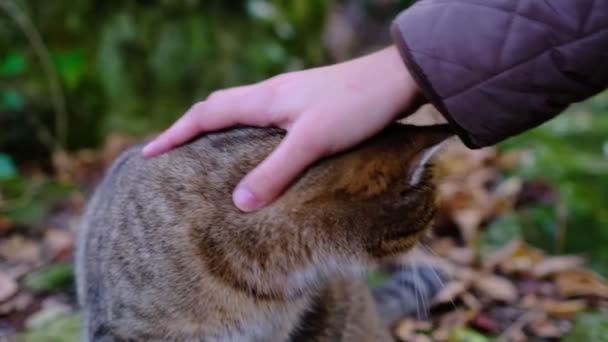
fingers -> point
(241, 105)
(268, 180)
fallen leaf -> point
(17, 303)
(495, 287)
(503, 198)
(529, 301)
(471, 301)
(8, 287)
(515, 257)
(523, 259)
(405, 329)
(501, 255)
(580, 283)
(440, 334)
(18, 249)
(545, 329)
(563, 309)
(468, 221)
(57, 242)
(450, 292)
(423, 326)
(512, 159)
(5, 223)
(554, 264)
(462, 256)
(485, 323)
(457, 318)
(443, 247)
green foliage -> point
(26, 201)
(571, 154)
(63, 328)
(589, 326)
(12, 64)
(55, 278)
(376, 278)
(135, 66)
(462, 334)
(7, 167)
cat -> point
(164, 255)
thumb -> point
(268, 180)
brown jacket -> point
(495, 68)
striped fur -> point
(163, 255)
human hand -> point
(324, 110)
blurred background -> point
(81, 80)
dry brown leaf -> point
(495, 287)
(511, 159)
(57, 242)
(515, 257)
(563, 309)
(423, 326)
(5, 223)
(580, 283)
(458, 161)
(462, 256)
(8, 287)
(529, 301)
(471, 301)
(468, 220)
(405, 329)
(18, 249)
(523, 260)
(440, 334)
(500, 255)
(452, 197)
(544, 328)
(443, 247)
(18, 303)
(450, 292)
(554, 264)
(485, 323)
(503, 198)
(457, 318)
(515, 335)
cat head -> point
(383, 190)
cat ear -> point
(430, 141)
(420, 163)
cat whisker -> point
(434, 271)
(415, 289)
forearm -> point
(497, 69)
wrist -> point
(392, 83)
(400, 84)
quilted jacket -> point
(495, 68)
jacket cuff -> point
(425, 86)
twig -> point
(55, 90)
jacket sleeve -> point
(497, 68)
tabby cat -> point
(164, 255)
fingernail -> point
(245, 200)
(148, 150)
